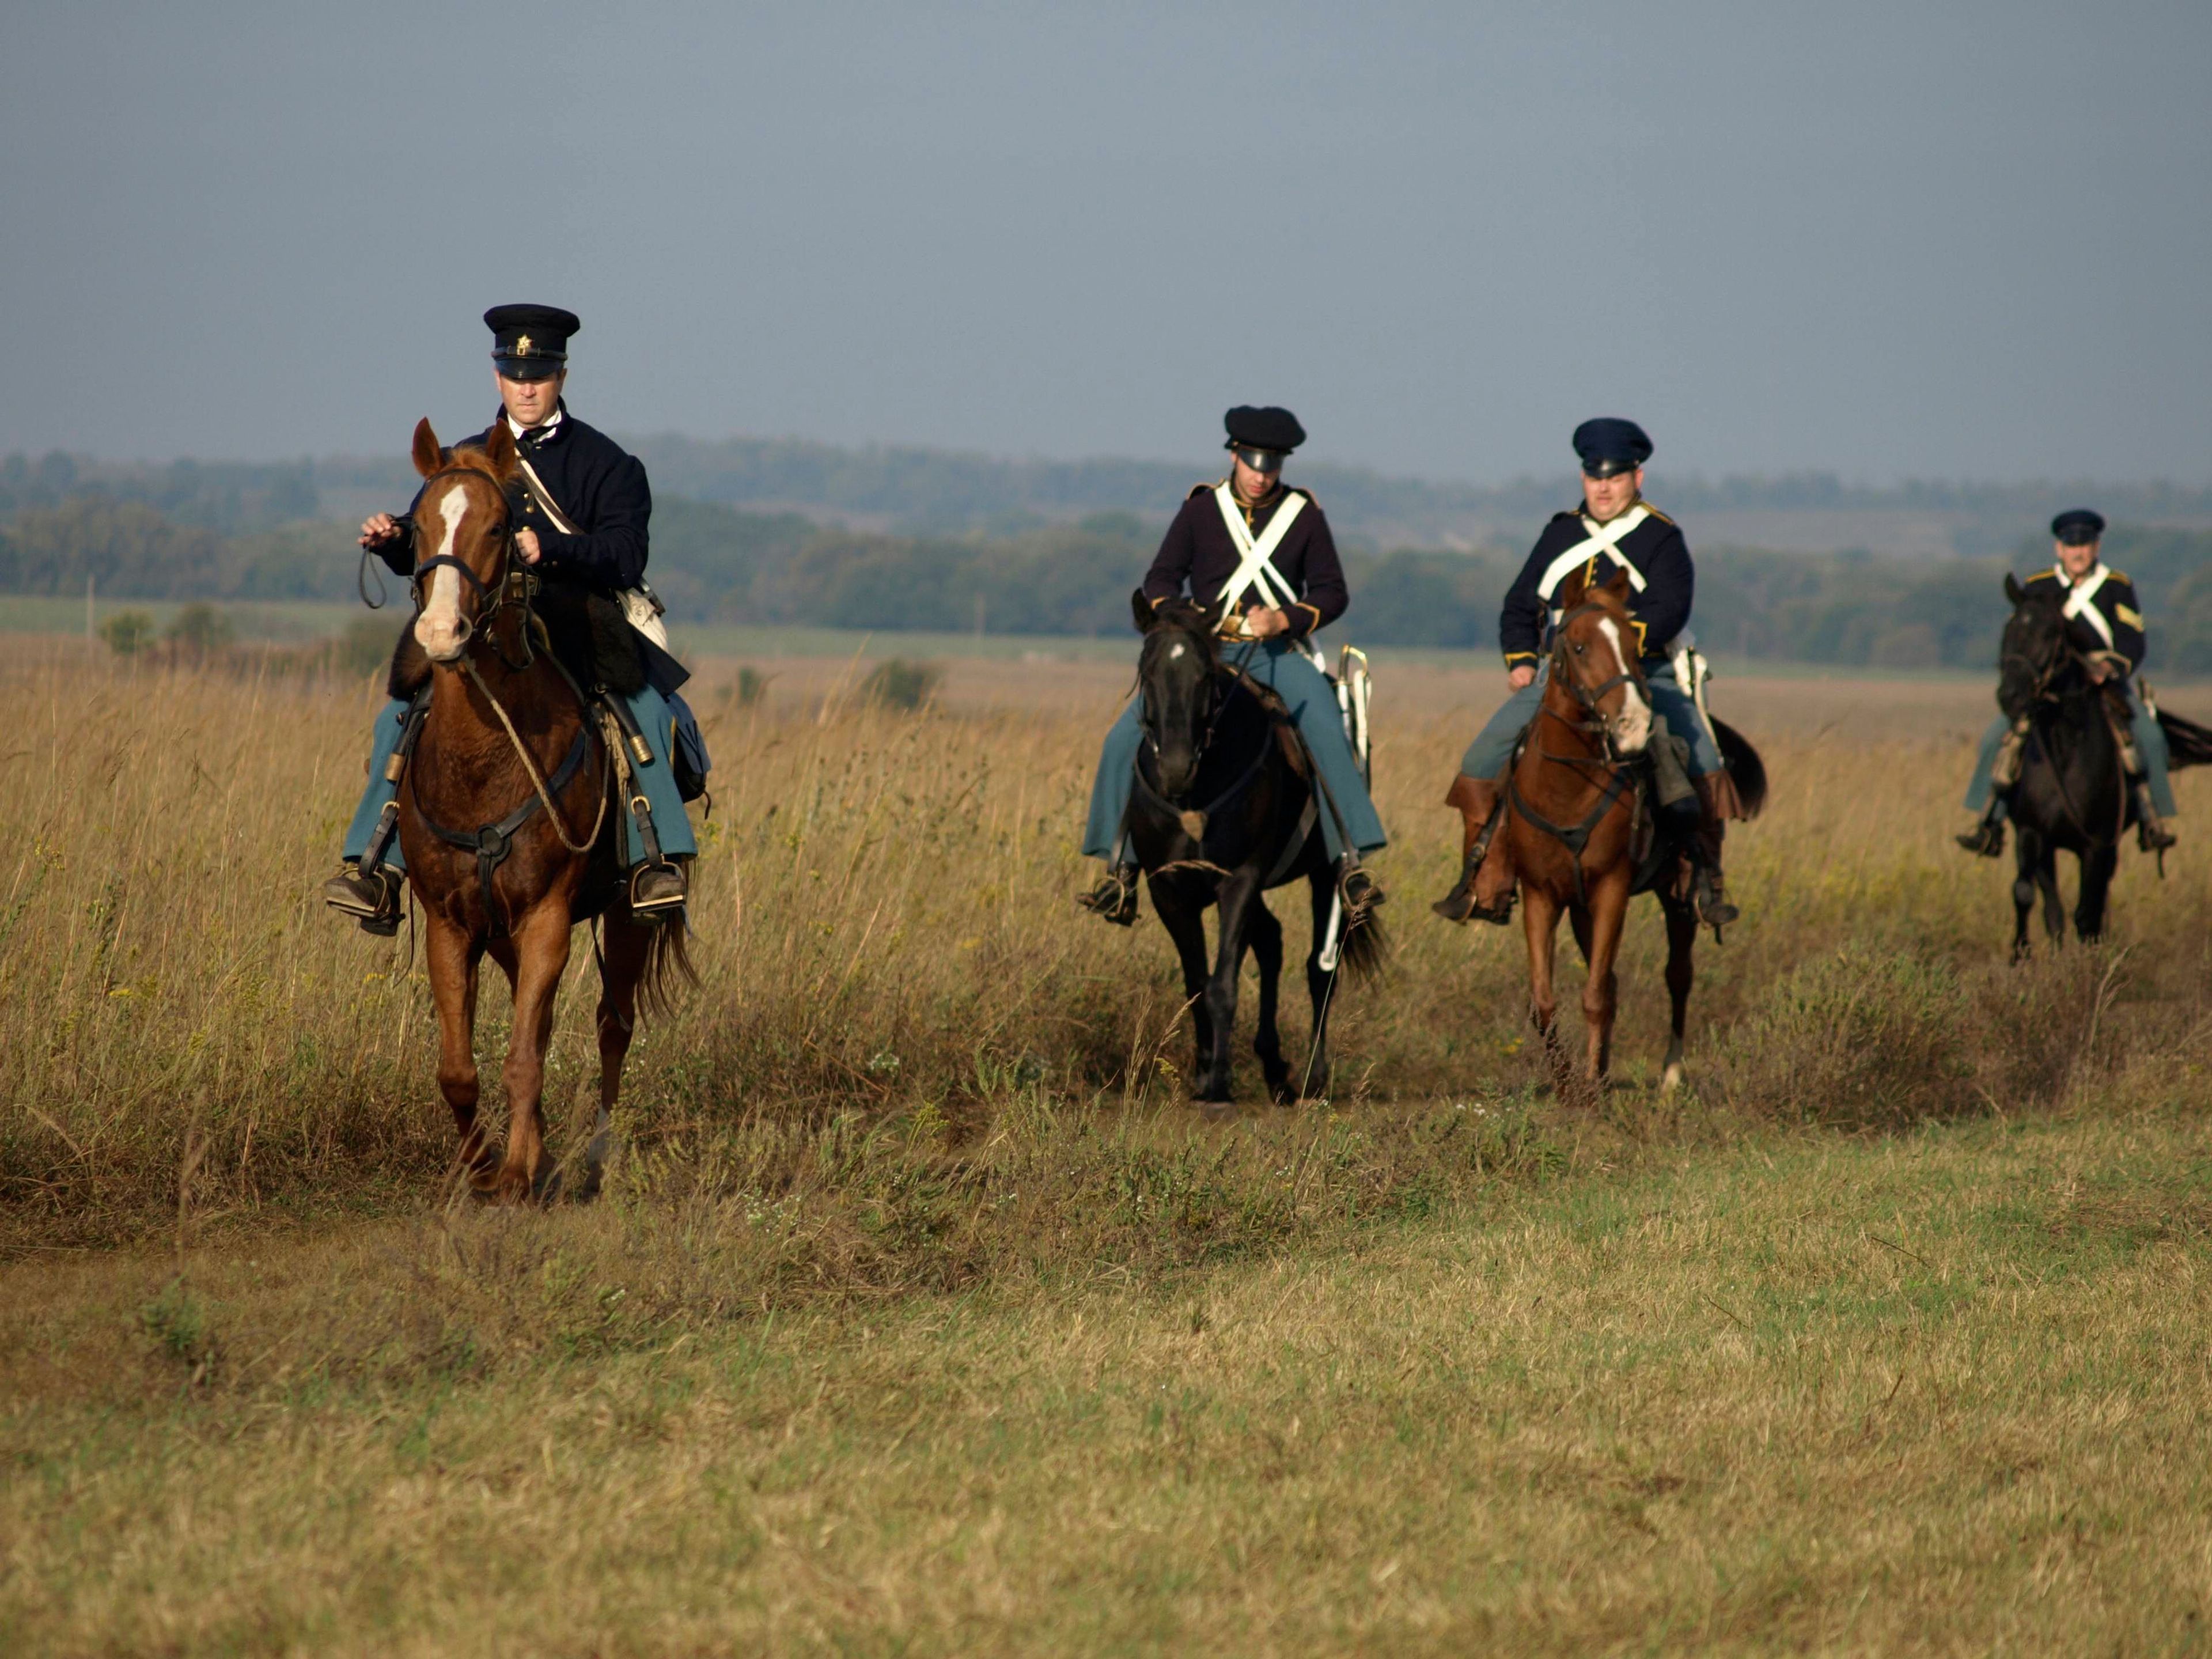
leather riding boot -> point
(2151, 833)
(658, 890)
(1115, 897)
(1713, 907)
(1477, 800)
(370, 895)
(1987, 836)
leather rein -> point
(512, 586)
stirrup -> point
(1461, 905)
(2151, 834)
(371, 897)
(1361, 893)
(1986, 838)
(1713, 907)
(1115, 897)
(657, 890)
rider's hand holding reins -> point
(1521, 678)
(526, 545)
(1264, 624)
(378, 529)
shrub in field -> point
(1859, 1038)
(750, 686)
(197, 630)
(128, 632)
(895, 682)
(364, 648)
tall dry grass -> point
(894, 978)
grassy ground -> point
(920, 1315)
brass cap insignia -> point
(522, 347)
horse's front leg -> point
(1600, 937)
(451, 955)
(2026, 849)
(1681, 972)
(1238, 894)
(1267, 938)
(1184, 917)
(540, 955)
(1540, 926)
(2097, 870)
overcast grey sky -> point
(1894, 241)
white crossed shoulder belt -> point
(2081, 600)
(638, 609)
(1256, 571)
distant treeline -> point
(717, 564)
(930, 492)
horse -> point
(1225, 807)
(504, 810)
(1579, 833)
(2072, 793)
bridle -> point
(1594, 722)
(513, 584)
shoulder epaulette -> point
(2042, 576)
(1657, 514)
(1198, 489)
(1572, 513)
(2119, 576)
(1300, 489)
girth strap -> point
(493, 841)
(1574, 839)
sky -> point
(1957, 241)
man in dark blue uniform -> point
(580, 520)
(2105, 602)
(1614, 529)
(1261, 550)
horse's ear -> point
(1571, 591)
(1213, 613)
(498, 449)
(1618, 586)
(1141, 608)
(2013, 589)
(428, 456)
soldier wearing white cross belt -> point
(1615, 530)
(1261, 550)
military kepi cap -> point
(1263, 429)
(1608, 446)
(2077, 527)
(530, 342)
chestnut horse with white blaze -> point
(506, 812)
(1577, 833)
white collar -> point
(541, 429)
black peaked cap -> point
(1263, 429)
(1609, 445)
(2078, 527)
(530, 342)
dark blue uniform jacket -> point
(2117, 607)
(1197, 550)
(1662, 583)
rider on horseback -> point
(2103, 601)
(1260, 552)
(581, 520)
(1615, 530)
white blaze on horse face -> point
(1176, 651)
(440, 628)
(1631, 726)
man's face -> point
(529, 401)
(1248, 482)
(1608, 498)
(2076, 561)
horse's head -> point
(462, 530)
(2036, 643)
(1178, 684)
(1594, 657)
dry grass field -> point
(921, 1315)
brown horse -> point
(504, 817)
(1576, 832)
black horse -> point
(1225, 808)
(2072, 794)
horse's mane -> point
(473, 458)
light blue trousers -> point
(1305, 692)
(2150, 744)
(658, 784)
(1486, 756)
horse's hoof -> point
(1217, 1111)
(1671, 1078)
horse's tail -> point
(2187, 742)
(1744, 768)
(1360, 954)
(667, 963)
